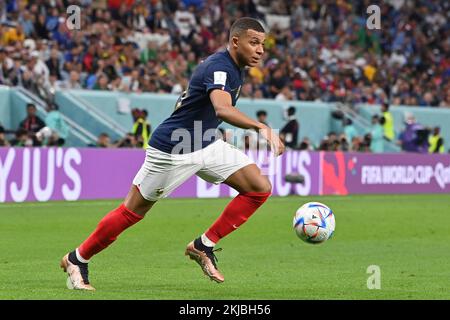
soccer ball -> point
(314, 222)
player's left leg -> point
(240, 173)
(130, 212)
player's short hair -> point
(246, 23)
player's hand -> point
(276, 145)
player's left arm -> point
(221, 100)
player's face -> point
(250, 47)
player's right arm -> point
(221, 100)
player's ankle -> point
(207, 240)
(75, 259)
(199, 245)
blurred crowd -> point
(34, 131)
(138, 137)
(316, 50)
(415, 137)
(412, 137)
(53, 130)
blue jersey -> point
(194, 109)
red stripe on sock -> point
(236, 213)
(107, 231)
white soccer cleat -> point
(77, 275)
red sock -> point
(235, 214)
(113, 224)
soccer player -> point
(182, 146)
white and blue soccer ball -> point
(314, 222)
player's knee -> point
(267, 187)
(264, 186)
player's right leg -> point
(224, 163)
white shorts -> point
(162, 172)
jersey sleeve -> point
(218, 77)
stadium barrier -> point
(112, 113)
(43, 174)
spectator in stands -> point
(285, 94)
(47, 137)
(343, 143)
(141, 128)
(57, 124)
(3, 141)
(376, 134)
(129, 141)
(12, 34)
(289, 133)
(356, 144)
(334, 143)
(103, 141)
(306, 145)
(38, 68)
(22, 139)
(446, 101)
(247, 90)
(365, 143)
(32, 123)
(349, 129)
(387, 121)
(414, 138)
(73, 82)
(54, 63)
(277, 82)
(261, 116)
(435, 141)
(6, 64)
(325, 144)
(15, 73)
(102, 83)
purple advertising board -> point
(363, 173)
(42, 174)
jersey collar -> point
(227, 52)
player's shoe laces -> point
(77, 274)
(206, 258)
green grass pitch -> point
(407, 236)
